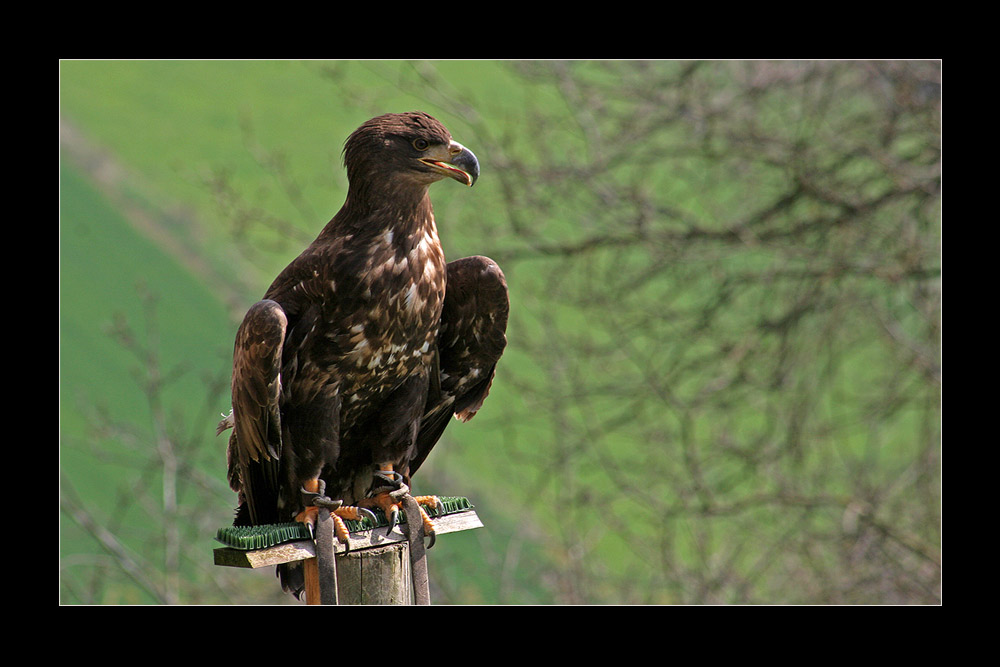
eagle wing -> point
(471, 338)
(255, 444)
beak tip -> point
(469, 163)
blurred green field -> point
(678, 418)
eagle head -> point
(409, 147)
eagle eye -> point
(421, 144)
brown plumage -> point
(368, 342)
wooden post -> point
(374, 569)
(380, 575)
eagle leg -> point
(311, 490)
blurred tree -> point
(735, 312)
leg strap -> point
(418, 554)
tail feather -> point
(293, 578)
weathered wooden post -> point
(373, 568)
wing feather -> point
(255, 445)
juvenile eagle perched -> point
(347, 372)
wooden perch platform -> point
(377, 566)
(365, 539)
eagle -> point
(348, 370)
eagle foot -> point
(429, 501)
(313, 500)
(390, 500)
(351, 513)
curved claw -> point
(393, 519)
(433, 540)
(368, 514)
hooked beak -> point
(460, 164)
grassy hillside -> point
(112, 275)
